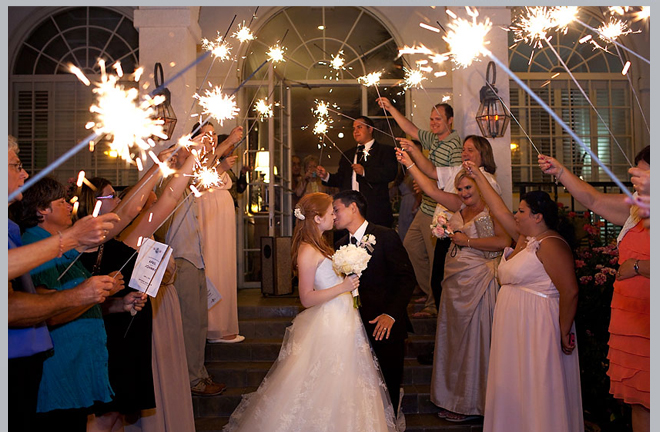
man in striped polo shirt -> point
(444, 149)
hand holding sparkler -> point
(235, 137)
(385, 104)
(359, 169)
(403, 158)
(118, 278)
(321, 172)
(227, 163)
(410, 148)
(133, 302)
(641, 180)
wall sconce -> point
(492, 117)
(262, 164)
(164, 111)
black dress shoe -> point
(425, 359)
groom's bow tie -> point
(353, 240)
(360, 152)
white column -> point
(467, 83)
(169, 36)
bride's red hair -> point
(306, 230)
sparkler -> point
(463, 32)
(338, 61)
(264, 109)
(243, 34)
(370, 79)
(467, 40)
(218, 105)
(275, 54)
(219, 48)
(413, 78)
(610, 33)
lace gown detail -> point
(326, 377)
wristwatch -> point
(636, 266)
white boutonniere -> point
(368, 241)
(365, 154)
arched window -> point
(598, 73)
(49, 106)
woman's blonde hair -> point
(306, 230)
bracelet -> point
(411, 165)
(61, 245)
(561, 171)
(636, 267)
(468, 239)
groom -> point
(385, 287)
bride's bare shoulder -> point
(309, 254)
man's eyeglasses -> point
(111, 196)
(18, 165)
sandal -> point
(443, 413)
(421, 299)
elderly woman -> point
(75, 377)
(534, 373)
(629, 345)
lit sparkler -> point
(218, 105)
(207, 177)
(467, 40)
(264, 109)
(612, 30)
(532, 26)
(219, 48)
(370, 79)
(321, 127)
(338, 61)
(321, 109)
(243, 34)
(562, 16)
(275, 54)
(413, 78)
(121, 114)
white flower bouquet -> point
(353, 259)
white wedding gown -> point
(326, 377)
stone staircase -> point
(262, 321)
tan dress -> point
(465, 316)
(174, 410)
(217, 224)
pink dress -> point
(217, 224)
(532, 384)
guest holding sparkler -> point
(368, 168)
(129, 338)
(75, 377)
(217, 224)
(444, 147)
(534, 373)
(629, 344)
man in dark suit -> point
(374, 167)
(385, 286)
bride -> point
(326, 378)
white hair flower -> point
(298, 214)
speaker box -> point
(276, 266)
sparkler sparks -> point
(218, 105)
(338, 61)
(264, 109)
(370, 79)
(276, 54)
(243, 34)
(321, 109)
(321, 127)
(611, 31)
(532, 26)
(207, 177)
(218, 48)
(562, 16)
(467, 40)
(413, 78)
(121, 114)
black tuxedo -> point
(380, 168)
(386, 287)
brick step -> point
(414, 423)
(248, 374)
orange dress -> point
(629, 352)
